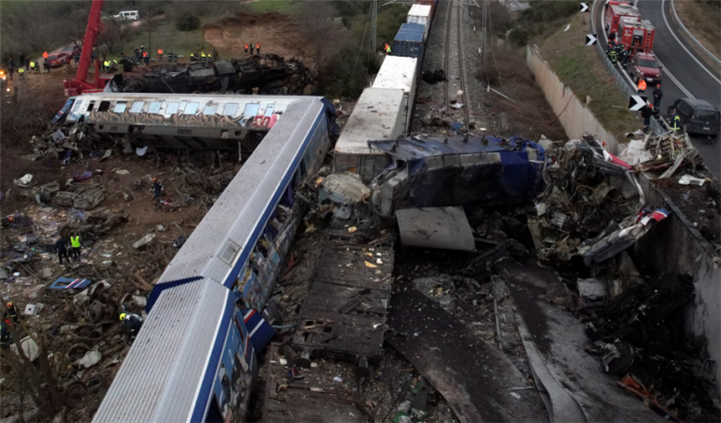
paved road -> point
(684, 73)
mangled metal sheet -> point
(436, 227)
(455, 171)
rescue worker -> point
(202, 56)
(657, 96)
(646, 114)
(131, 323)
(613, 56)
(75, 247)
(146, 58)
(624, 56)
(257, 48)
(21, 72)
(45, 55)
(675, 122)
(13, 313)
(642, 85)
(137, 53)
(215, 53)
(4, 335)
(32, 66)
(251, 48)
(61, 247)
(77, 59)
(27, 63)
(160, 54)
(192, 57)
(106, 66)
(387, 49)
(157, 189)
(246, 48)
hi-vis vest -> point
(75, 241)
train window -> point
(137, 107)
(251, 109)
(120, 107)
(228, 253)
(155, 107)
(90, 106)
(191, 109)
(77, 106)
(230, 109)
(269, 109)
(210, 110)
(104, 106)
(172, 108)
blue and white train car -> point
(194, 359)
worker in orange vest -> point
(45, 55)
(160, 54)
(641, 85)
(246, 48)
(387, 49)
(146, 59)
(257, 47)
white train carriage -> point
(204, 121)
(193, 359)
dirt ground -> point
(276, 33)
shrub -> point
(518, 36)
(187, 22)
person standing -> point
(75, 245)
(246, 48)
(642, 85)
(146, 58)
(675, 122)
(27, 63)
(251, 48)
(157, 189)
(137, 53)
(46, 65)
(61, 247)
(657, 96)
(646, 114)
(257, 48)
(387, 49)
(12, 313)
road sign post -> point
(591, 39)
(637, 102)
(584, 7)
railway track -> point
(455, 70)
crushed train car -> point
(457, 171)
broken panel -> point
(345, 311)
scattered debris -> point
(440, 227)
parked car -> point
(644, 65)
(128, 15)
(62, 56)
(698, 116)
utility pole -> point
(374, 25)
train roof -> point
(374, 117)
(397, 72)
(166, 369)
(420, 10)
(215, 245)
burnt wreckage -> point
(268, 73)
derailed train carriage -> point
(195, 357)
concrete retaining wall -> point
(576, 118)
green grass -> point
(165, 36)
(581, 68)
(281, 6)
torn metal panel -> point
(344, 188)
(436, 227)
(438, 172)
(558, 340)
(475, 378)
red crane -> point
(80, 84)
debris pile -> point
(589, 194)
(639, 335)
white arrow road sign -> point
(584, 7)
(591, 39)
(637, 102)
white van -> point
(128, 15)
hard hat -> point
(658, 85)
(10, 304)
(122, 316)
(155, 179)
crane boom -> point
(80, 84)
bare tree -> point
(323, 35)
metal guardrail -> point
(678, 20)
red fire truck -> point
(636, 34)
(615, 10)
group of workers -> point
(617, 52)
(66, 251)
(26, 65)
(253, 47)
